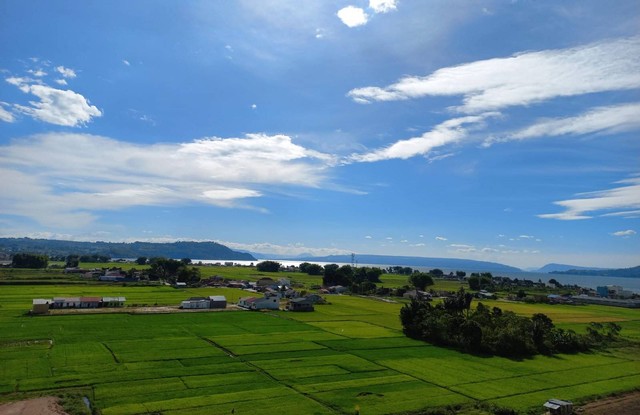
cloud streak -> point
(522, 79)
(448, 132)
(622, 200)
(66, 178)
(607, 119)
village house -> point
(195, 303)
(90, 302)
(417, 295)
(217, 301)
(300, 304)
(113, 301)
(253, 303)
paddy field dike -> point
(348, 356)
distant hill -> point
(411, 261)
(176, 250)
(633, 272)
(551, 268)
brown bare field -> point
(628, 404)
(39, 406)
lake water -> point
(586, 281)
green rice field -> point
(347, 356)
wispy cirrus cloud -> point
(627, 233)
(522, 79)
(447, 132)
(624, 200)
(66, 178)
(607, 119)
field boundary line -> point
(268, 375)
(115, 358)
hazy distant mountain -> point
(176, 250)
(549, 268)
(411, 261)
(633, 272)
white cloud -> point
(440, 238)
(284, 250)
(383, 6)
(5, 115)
(609, 119)
(526, 237)
(368, 237)
(64, 179)
(253, 106)
(66, 72)
(353, 16)
(61, 82)
(628, 232)
(524, 78)
(617, 199)
(445, 133)
(126, 62)
(37, 72)
(56, 106)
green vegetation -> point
(348, 354)
(494, 332)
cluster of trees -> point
(480, 281)
(360, 279)
(25, 260)
(173, 270)
(494, 331)
(268, 266)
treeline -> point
(56, 248)
(493, 331)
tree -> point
(268, 266)
(24, 260)
(311, 269)
(163, 268)
(186, 261)
(436, 272)
(461, 274)
(72, 261)
(421, 280)
(141, 260)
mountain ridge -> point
(176, 250)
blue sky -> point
(494, 130)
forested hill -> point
(553, 268)
(176, 250)
(412, 261)
(633, 272)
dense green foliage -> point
(494, 331)
(268, 266)
(421, 280)
(172, 270)
(26, 260)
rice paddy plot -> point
(355, 329)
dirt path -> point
(39, 406)
(628, 404)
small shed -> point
(195, 303)
(300, 304)
(65, 302)
(113, 301)
(559, 407)
(217, 301)
(180, 285)
(90, 302)
(40, 306)
(246, 302)
(272, 303)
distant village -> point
(270, 294)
